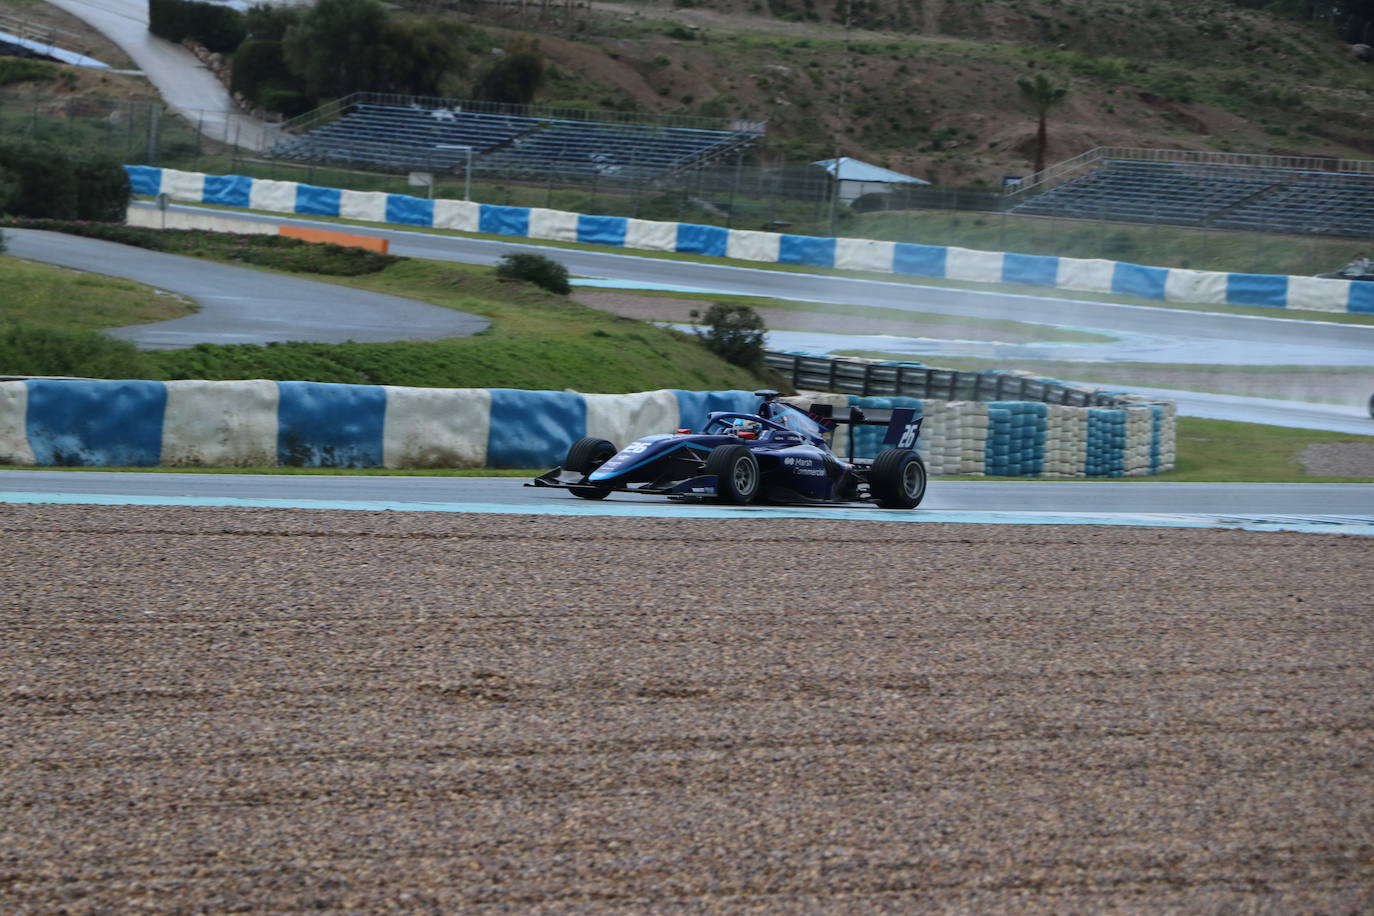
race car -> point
(778, 455)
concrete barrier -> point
(934, 261)
(257, 423)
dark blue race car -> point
(778, 455)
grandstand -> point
(1264, 194)
(392, 134)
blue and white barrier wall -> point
(938, 261)
(96, 423)
(67, 422)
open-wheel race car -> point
(778, 455)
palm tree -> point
(1042, 95)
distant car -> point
(777, 455)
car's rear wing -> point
(903, 426)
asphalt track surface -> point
(243, 306)
(1326, 508)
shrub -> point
(218, 28)
(734, 333)
(45, 181)
(31, 350)
(102, 188)
(537, 269)
(257, 63)
(23, 70)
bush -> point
(30, 350)
(537, 269)
(218, 28)
(734, 333)
(102, 188)
(257, 63)
(45, 181)
(23, 70)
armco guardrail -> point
(998, 423)
(257, 423)
(936, 261)
(914, 380)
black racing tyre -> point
(584, 456)
(897, 479)
(1371, 405)
(737, 473)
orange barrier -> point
(337, 238)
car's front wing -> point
(700, 487)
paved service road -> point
(182, 80)
(239, 305)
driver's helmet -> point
(746, 429)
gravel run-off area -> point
(255, 710)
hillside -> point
(928, 87)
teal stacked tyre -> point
(897, 479)
(737, 473)
(584, 456)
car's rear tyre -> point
(737, 473)
(1371, 405)
(584, 456)
(897, 479)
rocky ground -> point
(217, 710)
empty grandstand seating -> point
(1220, 196)
(400, 137)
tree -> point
(515, 76)
(536, 269)
(415, 53)
(733, 332)
(333, 46)
(1042, 95)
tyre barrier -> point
(258, 423)
(936, 261)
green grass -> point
(55, 297)
(538, 340)
(1222, 451)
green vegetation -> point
(36, 350)
(272, 251)
(39, 295)
(219, 28)
(23, 70)
(545, 273)
(538, 340)
(734, 332)
(1222, 451)
(44, 180)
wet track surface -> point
(243, 306)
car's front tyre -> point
(897, 479)
(584, 456)
(737, 473)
